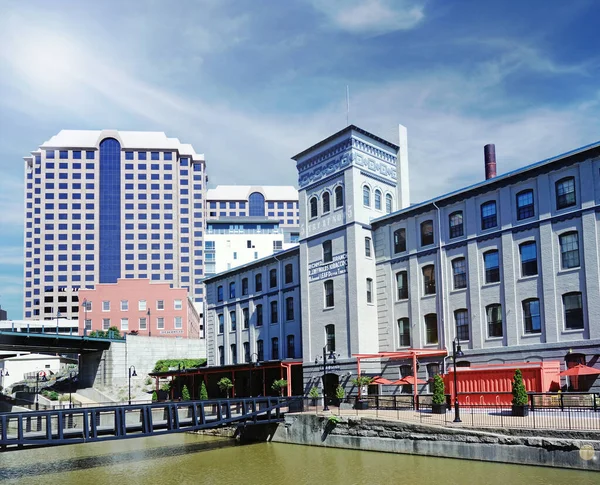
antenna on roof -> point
(347, 105)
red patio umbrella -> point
(580, 370)
(408, 380)
(381, 380)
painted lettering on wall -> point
(170, 332)
(326, 222)
(320, 270)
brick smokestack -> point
(489, 153)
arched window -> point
(488, 215)
(314, 210)
(326, 202)
(426, 233)
(389, 203)
(330, 337)
(456, 224)
(378, 199)
(339, 196)
(525, 205)
(366, 196)
(256, 201)
(565, 193)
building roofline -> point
(504, 178)
(246, 220)
(347, 129)
(256, 262)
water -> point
(191, 459)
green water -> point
(186, 458)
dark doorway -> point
(332, 381)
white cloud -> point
(372, 16)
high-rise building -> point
(104, 205)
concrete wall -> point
(414, 439)
(111, 367)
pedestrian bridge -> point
(84, 425)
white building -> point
(15, 369)
(65, 326)
(103, 205)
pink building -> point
(137, 305)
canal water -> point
(192, 459)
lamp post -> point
(84, 304)
(456, 352)
(131, 374)
(71, 375)
(179, 380)
(325, 357)
(57, 317)
(252, 366)
(37, 387)
(149, 326)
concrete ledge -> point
(415, 439)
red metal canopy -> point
(580, 370)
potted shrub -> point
(203, 392)
(185, 394)
(340, 394)
(314, 395)
(279, 385)
(520, 401)
(225, 384)
(362, 382)
(438, 401)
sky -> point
(250, 83)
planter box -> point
(438, 408)
(521, 411)
(361, 404)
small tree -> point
(225, 384)
(203, 392)
(185, 393)
(518, 390)
(439, 395)
(279, 385)
(154, 396)
(360, 382)
(314, 392)
(166, 387)
(340, 393)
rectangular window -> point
(233, 321)
(403, 332)
(124, 305)
(494, 320)
(531, 316)
(431, 329)
(142, 305)
(330, 337)
(456, 224)
(234, 360)
(492, 268)
(528, 252)
(402, 285)
(369, 290)
(221, 355)
(274, 348)
(573, 311)
(289, 274)
(160, 322)
(221, 319)
(291, 348)
(219, 293)
(105, 323)
(258, 282)
(327, 252)
(289, 308)
(565, 193)
(160, 304)
(399, 240)
(459, 269)
(143, 325)
(429, 279)
(525, 206)
(367, 247)
(244, 286)
(488, 215)
(569, 250)
(462, 324)
(232, 289)
(245, 317)
(124, 324)
(260, 350)
(274, 311)
(259, 315)
(329, 301)
(177, 305)
(106, 306)
(273, 278)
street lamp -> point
(37, 387)
(325, 357)
(84, 304)
(57, 317)
(71, 375)
(131, 374)
(456, 352)
(149, 326)
(252, 366)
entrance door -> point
(330, 385)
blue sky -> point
(251, 83)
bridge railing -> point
(77, 425)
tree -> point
(203, 392)
(519, 392)
(185, 393)
(340, 393)
(361, 382)
(154, 396)
(225, 384)
(279, 385)
(439, 395)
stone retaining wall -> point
(416, 439)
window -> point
(399, 240)
(258, 282)
(245, 317)
(492, 268)
(528, 259)
(327, 252)
(456, 224)
(291, 347)
(143, 325)
(328, 285)
(402, 285)
(178, 322)
(256, 202)
(232, 321)
(426, 233)
(389, 204)
(289, 273)
(259, 315)
(105, 323)
(246, 351)
(326, 202)
(366, 196)
(289, 308)
(273, 278)
(573, 311)
(368, 247)
(461, 317)
(459, 270)
(494, 320)
(274, 311)
(403, 332)
(244, 286)
(124, 305)
(274, 348)
(232, 289)
(177, 305)
(339, 196)
(106, 306)
(531, 316)
(314, 211)
(142, 305)
(219, 293)
(431, 329)
(488, 215)
(233, 354)
(369, 290)
(221, 319)
(221, 355)
(569, 250)
(525, 207)
(330, 337)
(378, 199)
(565, 193)
(160, 322)
(160, 304)
(260, 350)
(429, 279)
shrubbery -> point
(163, 365)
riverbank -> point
(579, 450)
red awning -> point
(580, 370)
(408, 380)
(381, 380)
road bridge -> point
(49, 342)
